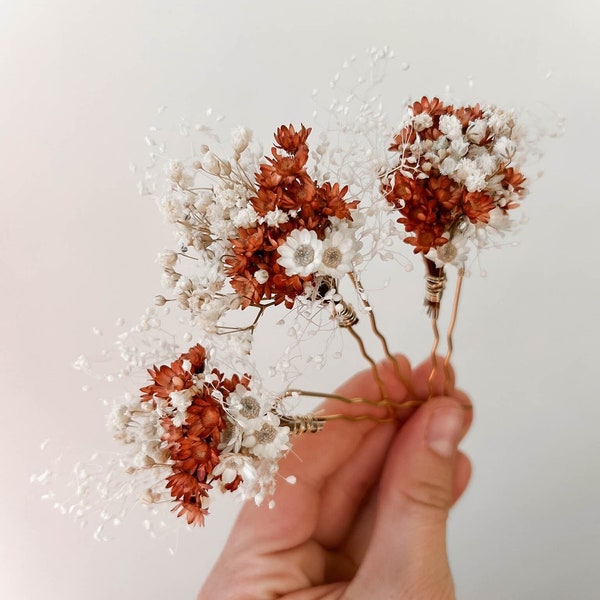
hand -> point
(366, 518)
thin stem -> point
(382, 390)
(355, 400)
(363, 297)
(229, 329)
(356, 418)
(436, 341)
(461, 274)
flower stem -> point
(382, 389)
(369, 309)
(436, 341)
(447, 382)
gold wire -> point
(357, 418)
(355, 400)
(436, 341)
(311, 423)
(296, 392)
(298, 424)
(435, 282)
(347, 318)
(363, 297)
(382, 389)
(447, 358)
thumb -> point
(407, 553)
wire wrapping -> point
(345, 314)
(299, 424)
(434, 287)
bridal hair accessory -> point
(290, 233)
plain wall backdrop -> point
(80, 84)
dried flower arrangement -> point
(255, 232)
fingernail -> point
(445, 427)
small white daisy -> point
(243, 405)
(301, 253)
(453, 252)
(339, 249)
(270, 440)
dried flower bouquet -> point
(290, 230)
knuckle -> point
(428, 495)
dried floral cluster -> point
(263, 232)
(304, 228)
(456, 177)
(198, 428)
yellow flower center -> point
(304, 255)
(332, 257)
(447, 253)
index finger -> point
(315, 458)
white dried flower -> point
(276, 217)
(454, 252)
(167, 258)
(339, 249)
(232, 466)
(270, 441)
(422, 121)
(261, 276)
(448, 166)
(180, 401)
(450, 125)
(505, 148)
(459, 145)
(211, 163)
(301, 253)
(240, 138)
(476, 130)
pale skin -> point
(367, 516)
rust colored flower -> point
(192, 511)
(186, 486)
(289, 140)
(166, 380)
(477, 206)
(197, 356)
(513, 180)
(194, 456)
(205, 419)
(426, 208)
(468, 114)
(434, 107)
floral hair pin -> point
(457, 179)
(290, 233)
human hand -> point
(367, 515)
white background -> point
(80, 83)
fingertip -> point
(458, 400)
